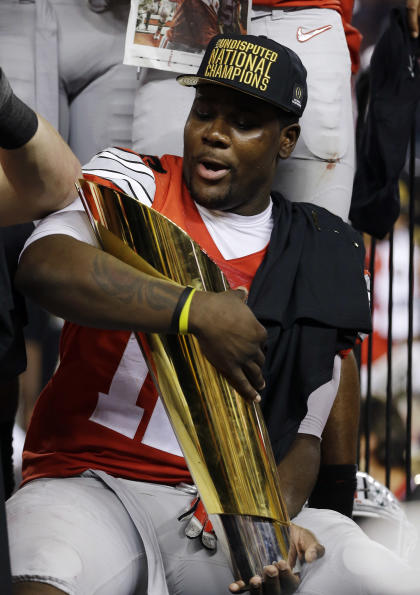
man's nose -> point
(217, 132)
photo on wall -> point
(173, 34)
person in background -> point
(378, 447)
(31, 186)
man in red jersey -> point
(320, 169)
(104, 478)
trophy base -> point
(250, 542)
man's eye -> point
(244, 123)
(202, 113)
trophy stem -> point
(251, 542)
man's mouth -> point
(211, 170)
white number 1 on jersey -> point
(118, 411)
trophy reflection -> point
(222, 436)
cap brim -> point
(190, 80)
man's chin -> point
(212, 203)
(211, 197)
(218, 201)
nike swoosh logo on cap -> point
(303, 36)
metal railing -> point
(367, 394)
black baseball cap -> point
(255, 65)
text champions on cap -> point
(245, 62)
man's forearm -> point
(37, 178)
(340, 436)
(37, 168)
(298, 471)
(337, 478)
(85, 285)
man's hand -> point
(231, 338)
(278, 578)
(303, 546)
(413, 16)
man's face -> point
(231, 145)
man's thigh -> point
(353, 564)
(185, 563)
(82, 537)
(75, 535)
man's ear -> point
(288, 139)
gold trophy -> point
(223, 437)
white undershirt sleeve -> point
(70, 221)
(320, 403)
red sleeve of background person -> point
(344, 7)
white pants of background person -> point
(100, 535)
(321, 167)
(53, 53)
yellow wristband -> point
(183, 317)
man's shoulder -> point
(130, 172)
(130, 159)
(323, 219)
(317, 233)
(117, 160)
(131, 163)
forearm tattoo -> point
(120, 285)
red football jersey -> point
(101, 410)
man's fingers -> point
(413, 7)
(271, 581)
(242, 293)
(314, 552)
(289, 581)
(243, 386)
(259, 357)
(306, 544)
(309, 548)
(277, 579)
(237, 587)
(248, 379)
(254, 374)
(292, 555)
(255, 585)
